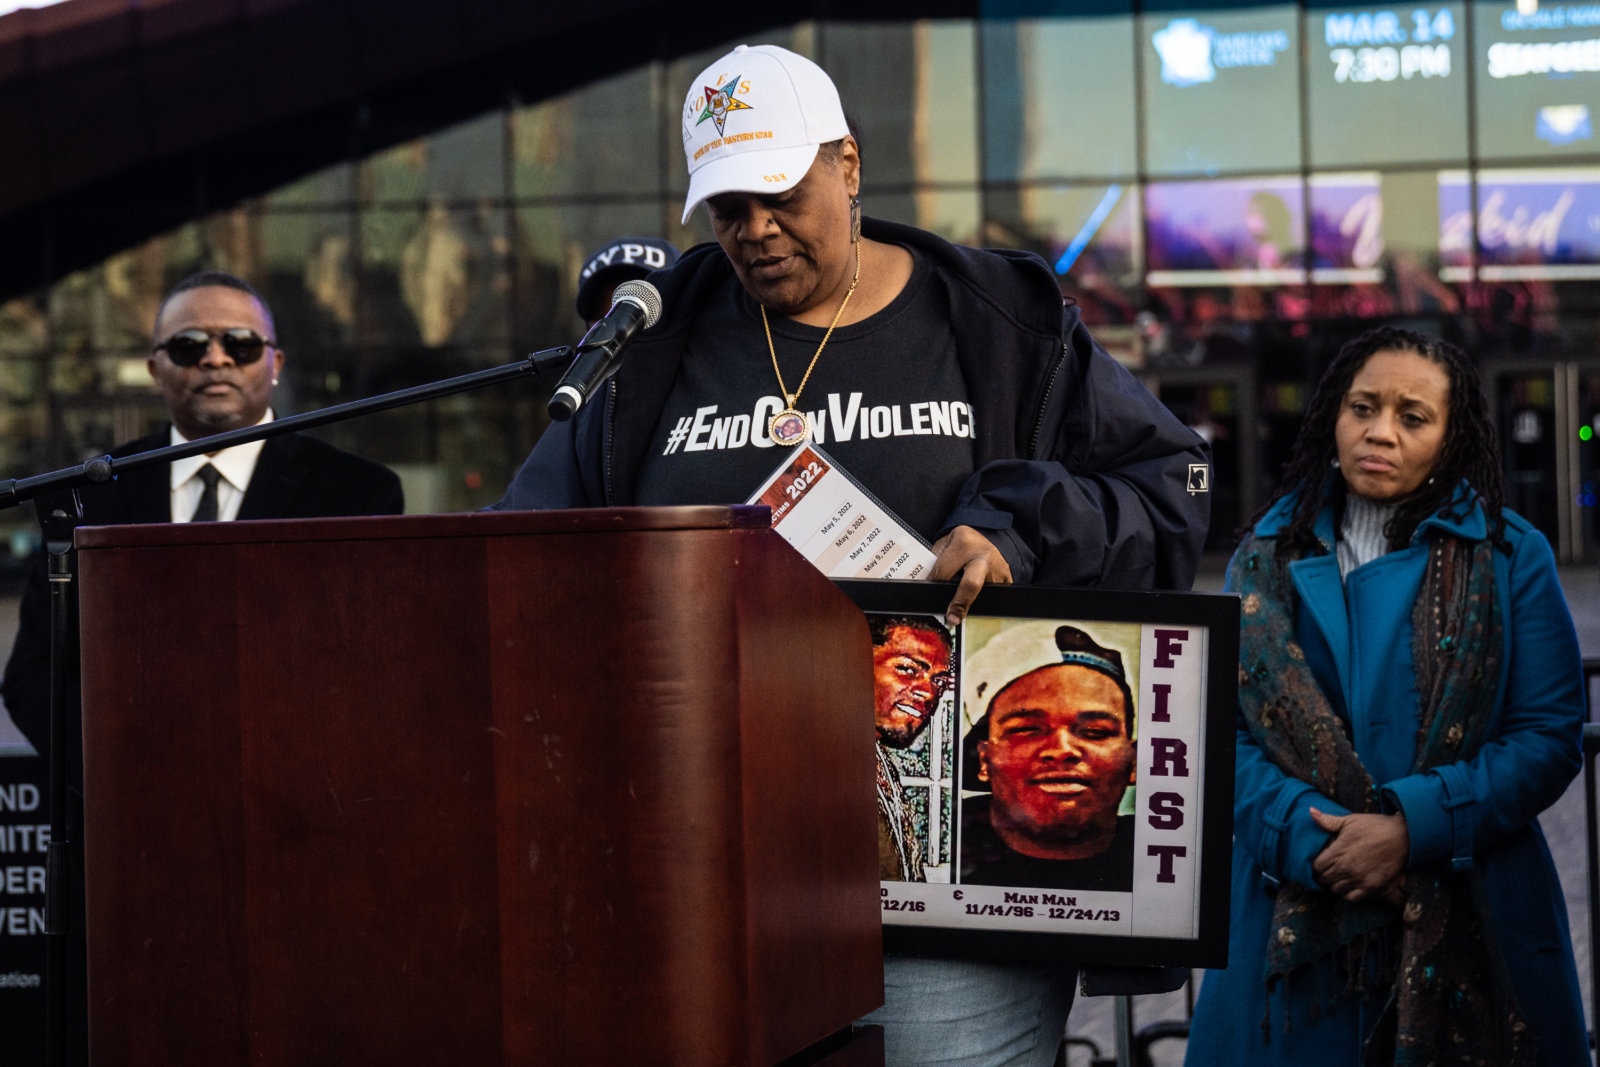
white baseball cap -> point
(753, 120)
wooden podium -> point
(583, 787)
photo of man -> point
(1053, 747)
(911, 677)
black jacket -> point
(1083, 477)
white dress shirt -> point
(235, 464)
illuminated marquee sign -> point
(1404, 62)
(1538, 78)
(1531, 225)
(1221, 90)
(1516, 59)
(1382, 46)
(1192, 52)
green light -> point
(1586, 433)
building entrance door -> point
(1548, 416)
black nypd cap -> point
(622, 259)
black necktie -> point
(207, 509)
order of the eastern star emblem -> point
(721, 101)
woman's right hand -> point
(967, 553)
(1366, 856)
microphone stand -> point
(103, 468)
(60, 513)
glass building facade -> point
(1229, 191)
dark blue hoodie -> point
(1083, 477)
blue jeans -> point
(973, 1013)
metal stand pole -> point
(59, 516)
(1591, 744)
(1124, 1024)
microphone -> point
(636, 305)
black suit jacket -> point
(296, 477)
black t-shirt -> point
(986, 860)
(887, 402)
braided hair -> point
(1470, 451)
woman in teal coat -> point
(1411, 698)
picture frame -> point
(1015, 820)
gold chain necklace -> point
(792, 426)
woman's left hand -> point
(1367, 853)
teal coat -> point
(1477, 813)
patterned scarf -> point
(1449, 1000)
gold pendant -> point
(789, 427)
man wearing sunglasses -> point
(215, 361)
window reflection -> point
(1244, 231)
(601, 139)
(1059, 97)
(910, 94)
(310, 277)
(437, 275)
(462, 162)
(1376, 247)
(1089, 234)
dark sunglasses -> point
(186, 348)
